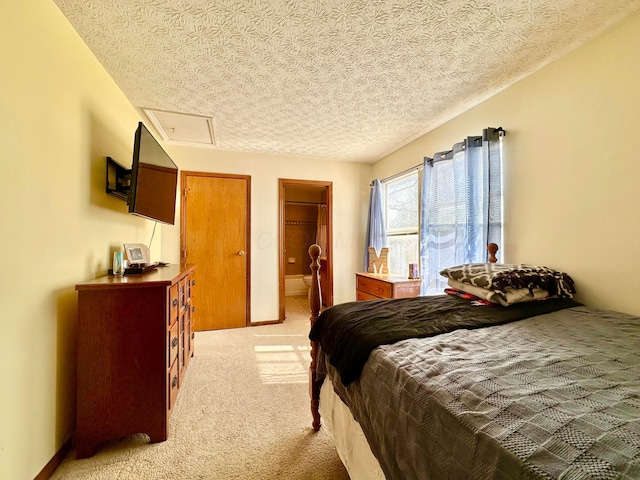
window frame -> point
(405, 231)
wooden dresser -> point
(374, 286)
(134, 344)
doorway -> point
(215, 236)
(298, 200)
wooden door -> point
(215, 236)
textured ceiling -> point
(332, 79)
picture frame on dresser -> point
(137, 253)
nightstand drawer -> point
(373, 286)
(360, 295)
(370, 286)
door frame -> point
(328, 186)
(183, 243)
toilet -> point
(307, 281)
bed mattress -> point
(347, 435)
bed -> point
(457, 387)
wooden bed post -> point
(314, 305)
(492, 248)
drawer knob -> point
(193, 309)
(174, 343)
(174, 382)
(193, 282)
(175, 302)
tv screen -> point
(154, 179)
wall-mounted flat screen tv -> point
(154, 179)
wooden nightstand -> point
(374, 286)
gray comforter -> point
(555, 396)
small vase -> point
(118, 266)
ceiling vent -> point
(182, 128)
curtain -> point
(461, 207)
(376, 231)
(321, 231)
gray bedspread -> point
(555, 396)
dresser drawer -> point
(183, 292)
(174, 342)
(375, 287)
(173, 384)
(174, 305)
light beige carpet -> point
(242, 413)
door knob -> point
(241, 253)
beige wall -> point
(350, 200)
(61, 116)
(571, 171)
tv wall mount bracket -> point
(118, 180)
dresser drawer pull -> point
(175, 302)
(174, 343)
(174, 383)
(193, 309)
(193, 282)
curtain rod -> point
(404, 172)
(500, 131)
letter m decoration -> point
(378, 264)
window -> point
(402, 200)
(448, 221)
(461, 207)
